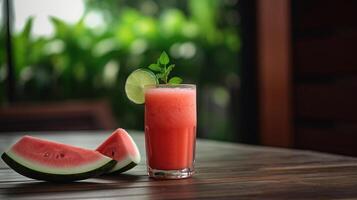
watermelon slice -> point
(51, 161)
(122, 148)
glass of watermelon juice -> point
(170, 130)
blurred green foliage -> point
(81, 62)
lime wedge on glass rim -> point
(136, 82)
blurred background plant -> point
(91, 57)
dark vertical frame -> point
(248, 116)
(275, 72)
(8, 16)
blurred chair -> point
(71, 115)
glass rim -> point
(192, 86)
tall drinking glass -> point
(170, 130)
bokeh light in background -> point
(67, 10)
(76, 49)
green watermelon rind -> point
(57, 177)
(125, 164)
(54, 169)
(124, 169)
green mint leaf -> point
(162, 71)
(166, 72)
(175, 80)
(169, 68)
(164, 58)
(155, 67)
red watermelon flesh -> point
(47, 160)
(122, 148)
(53, 154)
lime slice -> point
(136, 82)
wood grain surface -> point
(224, 171)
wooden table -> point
(224, 171)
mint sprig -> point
(162, 70)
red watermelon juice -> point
(170, 130)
